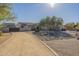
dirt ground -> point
(24, 44)
(4, 37)
(65, 47)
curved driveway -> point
(24, 44)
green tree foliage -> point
(51, 22)
(5, 12)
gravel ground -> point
(65, 47)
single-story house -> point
(12, 27)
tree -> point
(51, 22)
(70, 26)
(77, 26)
(47, 22)
(59, 23)
(5, 12)
(42, 22)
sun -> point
(51, 4)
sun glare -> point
(51, 4)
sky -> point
(34, 12)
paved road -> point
(23, 44)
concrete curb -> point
(53, 51)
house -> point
(26, 26)
(21, 26)
(10, 27)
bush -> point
(37, 29)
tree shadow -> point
(59, 34)
(53, 35)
